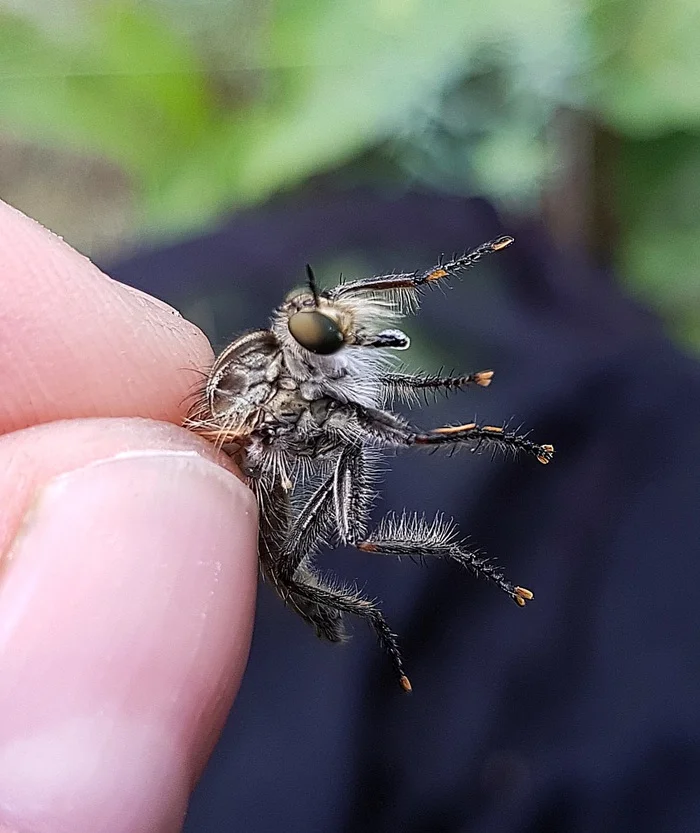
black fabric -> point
(578, 713)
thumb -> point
(126, 605)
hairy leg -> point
(279, 562)
(412, 536)
(406, 386)
(391, 430)
(347, 600)
(286, 545)
(416, 280)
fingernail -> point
(125, 614)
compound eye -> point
(316, 332)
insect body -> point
(303, 408)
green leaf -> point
(123, 86)
(648, 78)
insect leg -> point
(352, 494)
(394, 431)
(412, 536)
(326, 621)
(478, 435)
(406, 385)
(414, 280)
(349, 601)
(310, 526)
(345, 495)
(345, 492)
(279, 561)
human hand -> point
(127, 552)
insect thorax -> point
(264, 394)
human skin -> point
(127, 551)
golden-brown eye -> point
(316, 332)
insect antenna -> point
(313, 286)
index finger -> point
(74, 343)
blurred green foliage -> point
(648, 91)
(210, 105)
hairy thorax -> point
(257, 387)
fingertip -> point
(75, 343)
(126, 609)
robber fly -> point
(303, 408)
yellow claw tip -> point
(502, 243)
(546, 455)
(483, 378)
(524, 594)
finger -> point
(74, 343)
(126, 603)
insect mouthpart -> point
(317, 332)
